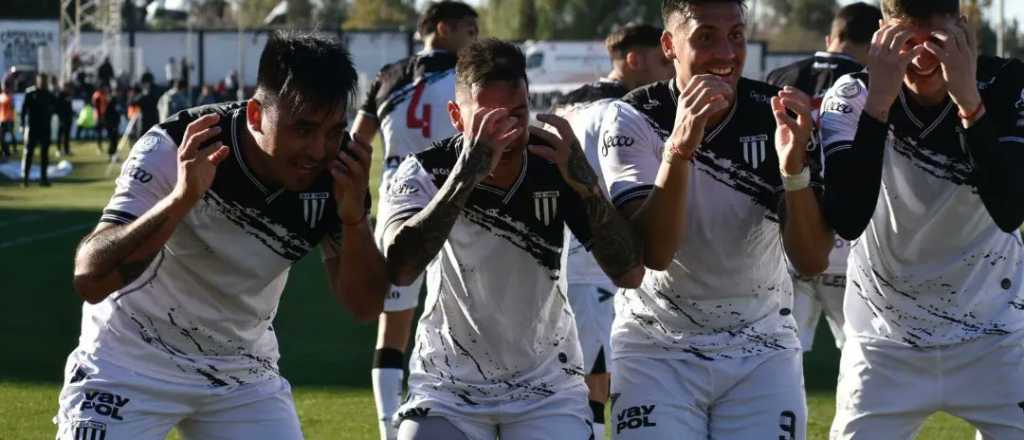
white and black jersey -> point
(202, 311)
(409, 100)
(815, 76)
(584, 109)
(934, 208)
(496, 328)
(727, 291)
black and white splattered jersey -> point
(815, 76)
(726, 293)
(202, 311)
(409, 100)
(584, 109)
(931, 267)
(495, 327)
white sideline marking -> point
(38, 237)
(22, 219)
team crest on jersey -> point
(849, 91)
(88, 429)
(545, 206)
(755, 149)
(313, 205)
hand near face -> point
(792, 134)
(888, 59)
(351, 172)
(956, 50)
(197, 169)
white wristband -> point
(796, 182)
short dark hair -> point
(305, 68)
(919, 9)
(180, 84)
(856, 23)
(669, 7)
(442, 11)
(631, 36)
(489, 60)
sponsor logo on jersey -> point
(104, 404)
(615, 142)
(635, 417)
(313, 205)
(849, 90)
(414, 412)
(402, 189)
(137, 173)
(837, 106)
(758, 97)
(545, 206)
(88, 429)
(754, 149)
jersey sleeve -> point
(148, 176)
(629, 151)
(369, 107)
(411, 190)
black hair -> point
(685, 7)
(443, 11)
(300, 68)
(489, 60)
(631, 36)
(856, 23)
(919, 9)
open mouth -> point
(722, 71)
(922, 72)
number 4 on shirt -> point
(410, 117)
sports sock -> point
(387, 375)
(598, 409)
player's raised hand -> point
(197, 169)
(564, 150)
(792, 135)
(703, 96)
(351, 171)
(888, 58)
(955, 48)
(490, 134)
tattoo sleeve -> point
(113, 248)
(413, 244)
(614, 246)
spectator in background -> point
(206, 96)
(86, 122)
(64, 116)
(36, 113)
(170, 70)
(105, 73)
(100, 98)
(111, 122)
(174, 100)
(231, 85)
(6, 122)
(183, 68)
(146, 101)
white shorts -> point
(101, 400)
(756, 397)
(563, 416)
(594, 308)
(810, 298)
(887, 390)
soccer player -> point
(713, 174)
(847, 53)
(496, 348)
(184, 273)
(406, 103)
(922, 169)
(637, 60)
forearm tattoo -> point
(110, 248)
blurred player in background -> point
(496, 349)
(406, 103)
(847, 52)
(184, 273)
(714, 176)
(923, 157)
(637, 60)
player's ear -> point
(666, 45)
(828, 41)
(254, 116)
(634, 59)
(442, 29)
(455, 115)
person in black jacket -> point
(65, 116)
(36, 112)
(112, 122)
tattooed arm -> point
(411, 244)
(113, 256)
(612, 242)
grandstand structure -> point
(101, 15)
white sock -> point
(387, 394)
(598, 431)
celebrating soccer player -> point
(922, 169)
(184, 273)
(407, 103)
(496, 349)
(714, 176)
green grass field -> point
(325, 354)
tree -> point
(564, 19)
(371, 14)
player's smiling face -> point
(709, 39)
(512, 96)
(924, 74)
(298, 146)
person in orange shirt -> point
(6, 122)
(100, 98)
